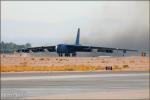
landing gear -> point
(67, 54)
(73, 54)
(60, 54)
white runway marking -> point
(70, 76)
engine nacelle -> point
(107, 51)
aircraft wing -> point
(38, 49)
(80, 48)
(107, 49)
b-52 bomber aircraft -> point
(70, 50)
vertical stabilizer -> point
(78, 37)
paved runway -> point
(55, 84)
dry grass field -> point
(17, 63)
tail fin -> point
(78, 37)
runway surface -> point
(74, 85)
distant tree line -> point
(11, 47)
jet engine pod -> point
(104, 50)
(109, 51)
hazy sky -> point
(123, 24)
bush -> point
(125, 66)
(103, 61)
(32, 59)
(132, 61)
(41, 58)
(69, 69)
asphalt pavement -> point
(35, 84)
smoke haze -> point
(122, 24)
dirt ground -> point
(25, 62)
